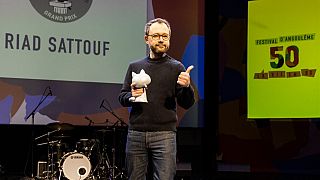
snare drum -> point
(75, 166)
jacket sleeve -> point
(185, 97)
(125, 92)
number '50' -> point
(291, 55)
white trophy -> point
(140, 80)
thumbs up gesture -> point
(184, 77)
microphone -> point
(101, 105)
(90, 120)
(50, 92)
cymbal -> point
(60, 126)
(61, 136)
(45, 143)
(104, 130)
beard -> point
(159, 51)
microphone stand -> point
(90, 120)
(122, 123)
(111, 111)
(32, 129)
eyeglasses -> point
(165, 37)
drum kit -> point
(79, 159)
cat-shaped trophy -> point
(140, 80)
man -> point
(152, 124)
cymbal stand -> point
(113, 151)
(53, 159)
(50, 155)
(122, 123)
(50, 161)
(103, 164)
(113, 167)
(121, 173)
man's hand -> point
(135, 92)
(184, 77)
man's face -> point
(158, 38)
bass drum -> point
(75, 166)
